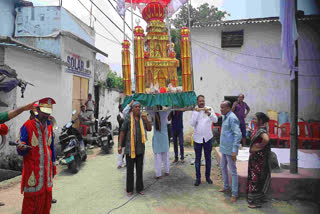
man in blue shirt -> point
(177, 133)
(229, 146)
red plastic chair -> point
(253, 126)
(273, 126)
(285, 134)
(83, 129)
(216, 127)
(304, 133)
(315, 132)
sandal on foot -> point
(223, 190)
(252, 206)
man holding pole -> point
(201, 121)
(133, 137)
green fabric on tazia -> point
(177, 100)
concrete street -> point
(99, 187)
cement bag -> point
(273, 115)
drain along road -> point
(99, 187)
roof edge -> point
(82, 41)
(253, 21)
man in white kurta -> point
(160, 144)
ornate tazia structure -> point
(155, 62)
(126, 67)
(139, 59)
(186, 60)
(158, 64)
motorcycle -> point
(91, 138)
(72, 146)
(105, 132)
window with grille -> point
(232, 39)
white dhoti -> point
(160, 158)
(121, 159)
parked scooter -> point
(72, 146)
(105, 132)
(91, 138)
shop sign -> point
(77, 66)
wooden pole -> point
(294, 111)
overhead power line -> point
(108, 18)
(101, 25)
(118, 43)
(260, 69)
(120, 16)
(132, 12)
(246, 54)
(111, 40)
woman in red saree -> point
(259, 172)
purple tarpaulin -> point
(289, 34)
(8, 85)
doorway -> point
(79, 95)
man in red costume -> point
(39, 161)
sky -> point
(239, 9)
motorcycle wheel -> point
(105, 149)
(84, 157)
(75, 165)
(110, 150)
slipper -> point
(254, 206)
(141, 193)
(2, 204)
(157, 178)
(129, 194)
(223, 190)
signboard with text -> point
(78, 66)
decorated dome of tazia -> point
(153, 11)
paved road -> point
(100, 188)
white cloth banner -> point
(174, 5)
(121, 8)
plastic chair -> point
(315, 132)
(285, 134)
(304, 133)
(217, 127)
(253, 126)
(83, 129)
(273, 130)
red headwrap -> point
(3, 129)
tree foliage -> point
(202, 16)
(114, 81)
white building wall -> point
(48, 80)
(263, 90)
(109, 102)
